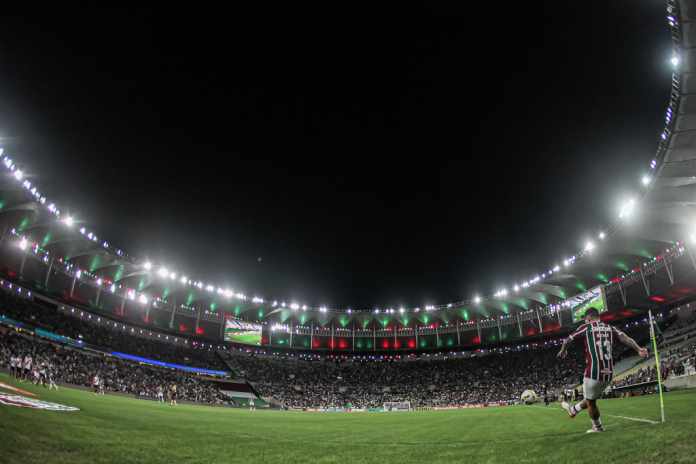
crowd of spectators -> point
(78, 367)
(443, 380)
(104, 336)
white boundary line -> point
(636, 419)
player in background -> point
(95, 384)
(172, 395)
(160, 394)
(51, 381)
(27, 367)
(598, 338)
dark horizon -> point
(414, 157)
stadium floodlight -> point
(163, 272)
(172, 275)
(99, 281)
(589, 246)
(183, 279)
(18, 174)
(23, 244)
(209, 288)
(376, 310)
(304, 307)
(556, 268)
(675, 60)
(349, 310)
(627, 208)
(257, 300)
(402, 310)
(602, 235)
(322, 309)
(274, 304)
(477, 299)
(516, 288)
(142, 299)
(68, 221)
(645, 180)
(294, 306)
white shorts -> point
(593, 389)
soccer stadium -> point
(108, 356)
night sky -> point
(371, 157)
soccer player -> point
(598, 338)
(172, 395)
(160, 394)
(27, 367)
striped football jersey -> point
(598, 338)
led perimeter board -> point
(238, 331)
(593, 298)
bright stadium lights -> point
(589, 246)
(274, 304)
(23, 244)
(556, 268)
(304, 307)
(99, 281)
(18, 174)
(516, 288)
(645, 180)
(627, 208)
(294, 306)
(183, 279)
(322, 309)
(142, 299)
(376, 310)
(602, 235)
(675, 60)
(257, 300)
(68, 221)
(402, 310)
(172, 275)
(477, 299)
(349, 310)
(163, 272)
(209, 288)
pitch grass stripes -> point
(635, 419)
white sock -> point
(577, 408)
(597, 423)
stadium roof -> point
(660, 212)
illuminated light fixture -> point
(274, 304)
(556, 268)
(257, 300)
(294, 306)
(241, 296)
(83, 230)
(477, 299)
(163, 272)
(131, 294)
(142, 299)
(627, 208)
(516, 288)
(304, 307)
(376, 311)
(209, 288)
(675, 60)
(602, 235)
(68, 221)
(402, 310)
(99, 281)
(23, 244)
(349, 310)
(429, 308)
(113, 288)
(183, 279)
(172, 275)
(449, 305)
(646, 180)
(78, 274)
(322, 309)
(18, 174)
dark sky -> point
(406, 155)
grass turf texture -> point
(115, 429)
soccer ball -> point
(529, 397)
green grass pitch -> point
(115, 429)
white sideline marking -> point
(636, 419)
